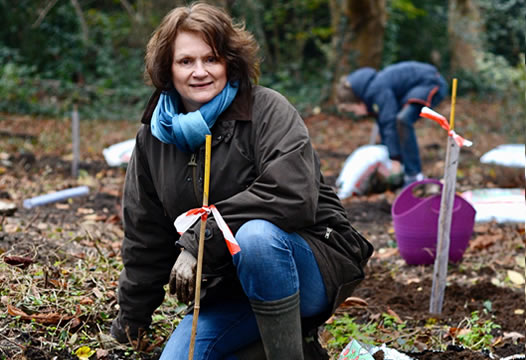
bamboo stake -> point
(197, 300)
(445, 217)
(453, 102)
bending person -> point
(394, 96)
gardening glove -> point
(182, 277)
(217, 260)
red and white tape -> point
(187, 219)
(441, 119)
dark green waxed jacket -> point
(263, 166)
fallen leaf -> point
(483, 242)
(385, 253)
(496, 341)
(19, 261)
(102, 354)
(84, 352)
(156, 342)
(73, 339)
(455, 332)
(516, 277)
(354, 301)
(113, 219)
(413, 280)
(496, 281)
(519, 311)
(98, 293)
(521, 261)
(47, 318)
(513, 335)
(85, 211)
(330, 320)
(85, 301)
(75, 323)
(395, 315)
(95, 217)
(42, 226)
(11, 228)
(57, 283)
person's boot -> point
(279, 324)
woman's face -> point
(198, 76)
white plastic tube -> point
(56, 196)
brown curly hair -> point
(229, 41)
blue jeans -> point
(406, 131)
(271, 265)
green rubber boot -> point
(279, 324)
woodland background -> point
(57, 52)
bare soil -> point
(480, 282)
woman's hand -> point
(182, 277)
(216, 258)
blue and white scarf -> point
(188, 131)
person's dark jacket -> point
(263, 166)
(385, 92)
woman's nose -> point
(199, 70)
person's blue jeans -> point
(271, 265)
(406, 131)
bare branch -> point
(83, 25)
(43, 13)
(135, 16)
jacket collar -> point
(240, 109)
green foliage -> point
(77, 298)
(388, 329)
(345, 328)
(15, 93)
(504, 22)
(473, 333)
(478, 333)
(294, 39)
(494, 76)
(47, 63)
(404, 35)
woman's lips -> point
(200, 85)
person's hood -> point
(360, 80)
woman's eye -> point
(211, 59)
(185, 61)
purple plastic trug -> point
(415, 222)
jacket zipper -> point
(193, 164)
(328, 233)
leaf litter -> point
(61, 262)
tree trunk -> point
(358, 35)
(464, 28)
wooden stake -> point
(75, 141)
(374, 134)
(200, 252)
(445, 218)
